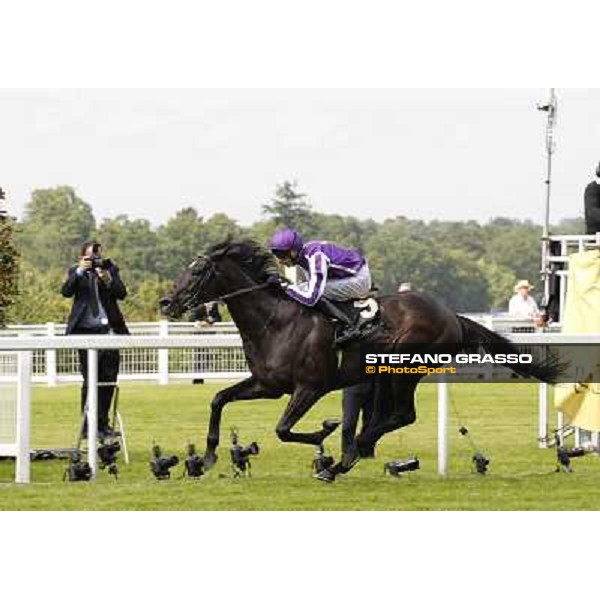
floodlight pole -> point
(551, 109)
(3, 205)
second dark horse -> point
(289, 347)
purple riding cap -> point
(321, 260)
(286, 240)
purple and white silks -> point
(331, 271)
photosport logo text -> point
(435, 364)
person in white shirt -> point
(522, 305)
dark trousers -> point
(108, 371)
(356, 400)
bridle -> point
(197, 286)
(209, 272)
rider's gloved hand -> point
(274, 280)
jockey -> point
(332, 273)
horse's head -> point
(227, 267)
(193, 287)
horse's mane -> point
(255, 260)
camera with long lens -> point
(322, 461)
(78, 470)
(194, 464)
(396, 467)
(564, 456)
(481, 463)
(161, 465)
(240, 455)
(98, 262)
(107, 453)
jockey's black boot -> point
(329, 309)
(349, 331)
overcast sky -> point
(446, 154)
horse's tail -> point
(477, 336)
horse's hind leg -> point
(371, 435)
(368, 438)
(400, 414)
(302, 400)
(248, 389)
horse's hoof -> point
(210, 461)
(330, 425)
(325, 475)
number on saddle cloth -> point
(368, 307)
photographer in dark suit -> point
(592, 205)
(95, 286)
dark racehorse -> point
(289, 347)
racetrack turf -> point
(501, 418)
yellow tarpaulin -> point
(580, 404)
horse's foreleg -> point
(393, 407)
(302, 400)
(248, 389)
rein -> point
(247, 290)
(241, 292)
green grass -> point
(501, 418)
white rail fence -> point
(15, 411)
(162, 365)
(523, 339)
(221, 360)
(24, 347)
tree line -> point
(9, 258)
(468, 265)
